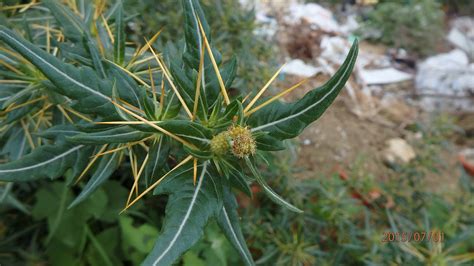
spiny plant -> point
(77, 101)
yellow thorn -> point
(14, 54)
(198, 85)
(135, 183)
(107, 28)
(13, 106)
(100, 5)
(138, 110)
(142, 61)
(74, 112)
(56, 49)
(123, 122)
(246, 97)
(111, 151)
(12, 68)
(162, 130)
(165, 72)
(47, 27)
(214, 64)
(132, 162)
(65, 114)
(32, 3)
(7, 81)
(89, 165)
(144, 48)
(27, 134)
(152, 83)
(156, 183)
(40, 112)
(162, 96)
(274, 98)
(137, 78)
(259, 94)
(99, 41)
(195, 170)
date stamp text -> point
(416, 236)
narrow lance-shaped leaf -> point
(81, 84)
(121, 134)
(72, 26)
(187, 212)
(158, 154)
(269, 191)
(284, 121)
(46, 161)
(95, 55)
(228, 221)
(119, 44)
(192, 14)
(108, 164)
(191, 132)
(59, 132)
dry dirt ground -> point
(341, 139)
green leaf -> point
(190, 131)
(269, 191)
(72, 26)
(127, 88)
(46, 161)
(194, 41)
(95, 55)
(119, 44)
(158, 154)
(228, 221)
(284, 121)
(266, 142)
(107, 165)
(187, 212)
(120, 134)
(59, 132)
(81, 84)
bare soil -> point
(341, 138)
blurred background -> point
(394, 153)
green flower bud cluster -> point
(237, 139)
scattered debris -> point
(334, 49)
(462, 35)
(446, 81)
(299, 68)
(398, 151)
(318, 17)
(383, 76)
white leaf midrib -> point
(186, 217)
(103, 170)
(307, 108)
(117, 135)
(234, 235)
(42, 163)
(54, 68)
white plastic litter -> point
(445, 75)
(448, 73)
(461, 35)
(334, 49)
(299, 68)
(318, 16)
(383, 76)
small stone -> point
(398, 151)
